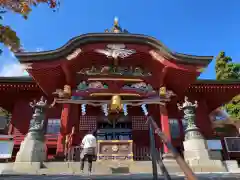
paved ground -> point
(118, 177)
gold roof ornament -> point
(116, 27)
(116, 21)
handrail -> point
(156, 159)
(183, 165)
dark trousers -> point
(90, 160)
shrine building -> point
(89, 70)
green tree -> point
(227, 70)
(8, 36)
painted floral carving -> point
(82, 85)
(105, 70)
(124, 147)
(97, 85)
(93, 85)
(140, 86)
(112, 70)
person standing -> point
(89, 144)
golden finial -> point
(116, 21)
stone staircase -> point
(104, 168)
(99, 168)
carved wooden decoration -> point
(116, 51)
(65, 93)
(92, 85)
(140, 86)
(121, 71)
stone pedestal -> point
(32, 153)
(198, 156)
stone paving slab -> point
(117, 177)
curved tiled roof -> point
(90, 38)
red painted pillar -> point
(63, 129)
(74, 122)
(165, 126)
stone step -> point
(232, 166)
(110, 167)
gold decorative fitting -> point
(162, 91)
(65, 93)
(115, 148)
(67, 89)
(116, 104)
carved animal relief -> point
(121, 71)
(93, 85)
(139, 86)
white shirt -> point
(89, 141)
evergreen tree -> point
(227, 70)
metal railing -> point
(142, 153)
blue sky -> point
(194, 27)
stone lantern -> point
(196, 151)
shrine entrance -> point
(114, 125)
(114, 138)
(118, 128)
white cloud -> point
(12, 70)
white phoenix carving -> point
(116, 50)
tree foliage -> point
(227, 70)
(8, 36)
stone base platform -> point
(139, 176)
(100, 168)
(31, 150)
(200, 158)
